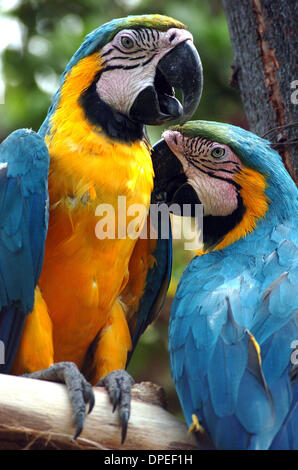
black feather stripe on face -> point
(215, 228)
(195, 148)
(146, 42)
(115, 124)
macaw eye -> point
(218, 152)
(126, 42)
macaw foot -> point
(118, 384)
(80, 391)
(195, 426)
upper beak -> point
(180, 68)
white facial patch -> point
(209, 168)
(130, 61)
(217, 196)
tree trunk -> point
(263, 36)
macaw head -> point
(124, 74)
(235, 174)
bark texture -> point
(264, 40)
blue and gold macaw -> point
(95, 297)
(234, 320)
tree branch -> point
(36, 414)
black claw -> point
(89, 396)
(91, 404)
(116, 397)
(124, 421)
(80, 424)
(118, 384)
(124, 431)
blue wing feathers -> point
(287, 437)
(14, 257)
(24, 162)
(38, 222)
(225, 372)
(277, 350)
(257, 414)
(214, 373)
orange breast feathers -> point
(83, 276)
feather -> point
(23, 227)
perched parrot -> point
(234, 320)
(96, 296)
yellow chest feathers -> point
(97, 172)
(85, 163)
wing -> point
(276, 324)
(231, 368)
(150, 271)
(286, 438)
(24, 162)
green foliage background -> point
(51, 33)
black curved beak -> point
(170, 182)
(169, 174)
(180, 68)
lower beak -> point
(170, 183)
(180, 68)
(169, 174)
